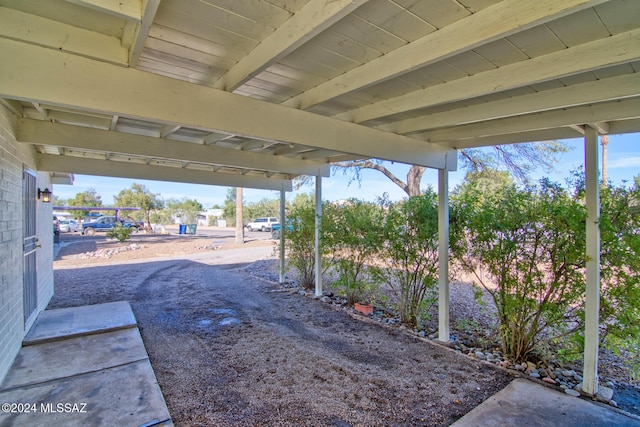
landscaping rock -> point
(604, 394)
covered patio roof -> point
(253, 93)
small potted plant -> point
(363, 308)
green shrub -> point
(353, 236)
(120, 232)
(530, 244)
(409, 255)
(300, 240)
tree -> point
(185, 209)
(87, 198)
(57, 201)
(264, 207)
(519, 159)
(229, 208)
(139, 196)
(484, 182)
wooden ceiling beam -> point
(67, 136)
(604, 112)
(61, 37)
(96, 167)
(57, 78)
(607, 52)
(129, 10)
(515, 138)
(149, 9)
(613, 88)
(314, 17)
(492, 23)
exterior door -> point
(30, 280)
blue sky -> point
(623, 164)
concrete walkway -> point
(525, 403)
(83, 366)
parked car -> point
(106, 223)
(275, 229)
(262, 224)
(69, 225)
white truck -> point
(262, 224)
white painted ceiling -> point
(256, 92)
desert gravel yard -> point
(229, 349)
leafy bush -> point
(620, 267)
(353, 237)
(530, 244)
(410, 254)
(300, 239)
(120, 232)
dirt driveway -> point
(229, 349)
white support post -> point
(318, 259)
(282, 228)
(592, 297)
(443, 263)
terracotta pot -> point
(365, 309)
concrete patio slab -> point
(125, 395)
(115, 348)
(83, 366)
(63, 323)
(525, 403)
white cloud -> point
(632, 161)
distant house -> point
(214, 216)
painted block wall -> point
(44, 256)
(13, 157)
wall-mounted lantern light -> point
(45, 195)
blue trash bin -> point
(182, 229)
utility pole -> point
(239, 224)
(604, 140)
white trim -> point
(318, 240)
(282, 240)
(443, 264)
(87, 166)
(592, 293)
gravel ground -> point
(473, 333)
(231, 349)
(279, 358)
